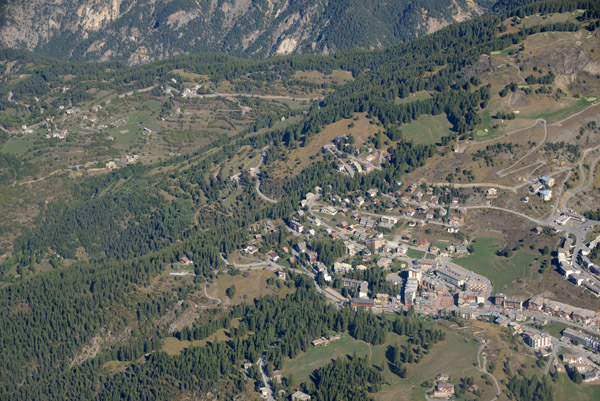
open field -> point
(427, 130)
(302, 366)
(359, 127)
(500, 270)
(454, 356)
(567, 390)
(246, 288)
(17, 146)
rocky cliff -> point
(142, 30)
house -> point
(384, 263)
(274, 256)
(443, 390)
(421, 242)
(547, 181)
(329, 210)
(311, 256)
(359, 201)
(499, 299)
(410, 212)
(184, 261)
(281, 275)
(389, 220)
(442, 377)
(251, 250)
(376, 243)
(546, 194)
(372, 192)
(300, 247)
(461, 250)
(536, 187)
(491, 193)
(300, 396)
(363, 289)
(341, 268)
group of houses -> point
(542, 188)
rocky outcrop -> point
(142, 30)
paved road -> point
(260, 162)
(348, 168)
(265, 379)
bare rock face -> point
(563, 59)
(138, 31)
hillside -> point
(167, 229)
(142, 30)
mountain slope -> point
(143, 30)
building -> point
(410, 291)
(281, 275)
(572, 358)
(586, 340)
(184, 261)
(499, 299)
(443, 390)
(365, 303)
(546, 194)
(513, 303)
(300, 396)
(297, 227)
(547, 181)
(538, 340)
(491, 193)
(389, 220)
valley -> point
(416, 222)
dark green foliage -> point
(346, 379)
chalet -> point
(300, 247)
(384, 263)
(341, 268)
(270, 226)
(281, 275)
(184, 261)
(389, 220)
(443, 390)
(491, 193)
(421, 242)
(343, 225)
(311, 256)
(434, 200)
(274, 256)
(461, 250)
(535, 303)
(329, 210)
(411, 189)
(410, 212)
(372, 192)
(300, 396)
(359, 201)
(418, 196)
(251, 250)
(376, 243)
